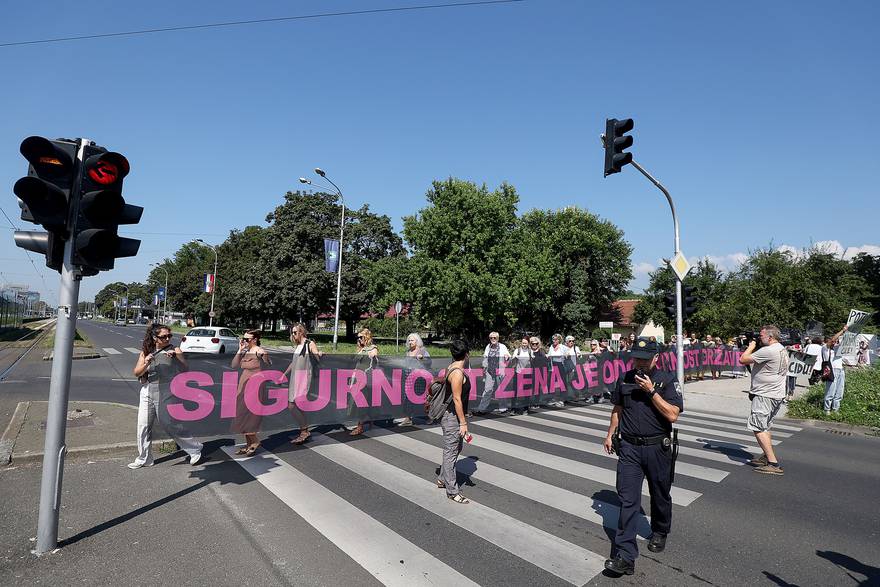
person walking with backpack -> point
(453, 422)
(299, 376)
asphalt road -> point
(365, 511)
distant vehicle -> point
(120, 322)
(131, 321)
(209, 339)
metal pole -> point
(339, 273)
(397, 335)
(165, 300)
(679, 369)
(59, 389)
(213, 289)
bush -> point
(860, 405)
(386, 327)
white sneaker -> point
(502, 410)
(403, 421)
(195, 459)
(138, 464)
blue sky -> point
(760, 118)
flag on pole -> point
(209, 283)
(156, 300)
(161, 294)
(331, 255)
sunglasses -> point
(247, 339)
(164, 336)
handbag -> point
(827, 371)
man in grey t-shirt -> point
(769, 369)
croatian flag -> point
(209, 283)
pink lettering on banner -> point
(524, 382)
(181, 390)
(556, 382)
(577, 382)
(355, 390)
(591, 374)
(473, 375)
(608, 374)
(540, 380)
(277, 395)
(325, 377)
(502, 392)
(381, 386)
(411, 394)
(228, 391)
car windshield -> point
(200, 332)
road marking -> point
(700, 453)
(375, 547)
(111, 351)
(689, 427)
(576, 468)
(129, 380)
(568, 561)
(697, 471)
(576, 504)
(703, 417)
(133, 351)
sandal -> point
(303, 436)
(441, 484)
(458, 498)
(251, 450)
(242, 450)
(357, 431)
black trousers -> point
(634, 465)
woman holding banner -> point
(417, 357)
(251, 359)
(366, 359)
(299, 374)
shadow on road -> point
(851, 565)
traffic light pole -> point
(679, 351)
(59, 389)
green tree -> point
(868, 268)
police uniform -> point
(645, 451)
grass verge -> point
(860, 405)
(78, 341)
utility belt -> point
(647, 440)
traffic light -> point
(44, 195)
(101, 210)
(616, 140)
(688, 301)
(670, 306)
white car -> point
(209, 339)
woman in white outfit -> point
(158, 361)
(305, 351)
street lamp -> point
(214, 286)
(320, 172)
(165, 297)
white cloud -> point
(726, 263)
(832, 247)
(642, 268)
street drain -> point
(838, 432)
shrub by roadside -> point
(860, 405)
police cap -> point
(645, 348)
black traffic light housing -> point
(688, 301)
(616, 140)
(44, 195)
(670, 306)
(101, 210)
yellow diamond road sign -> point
(680, 265)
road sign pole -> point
(59, 390)
(679, 370)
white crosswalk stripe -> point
(707, 418)
(374, 546)
(709, 432)
(133, 350)
(696, 471)
(112, 351)
(533, 463)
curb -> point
(838, 426)
(48, 356)
(7, 441)
(116, 448)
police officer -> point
(646, 403)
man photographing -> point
(769, 366)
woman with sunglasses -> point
(299, 373)
(521, 359)
(158, 362)
(539, 361)
(251, 359)
(367, 354)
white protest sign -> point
(800, 363)
(849, 342)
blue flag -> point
(331, 255)
(161, 293)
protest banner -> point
(800, 363)
(849, 342)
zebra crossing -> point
(114, 351)
(530, 478)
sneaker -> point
(827, 412)
(195, 459)
(500, 411)
(620, 566)
(558, 405)
(403, 421)
(770, 470)
(138, 464)
(533, 409)
(759, 461)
